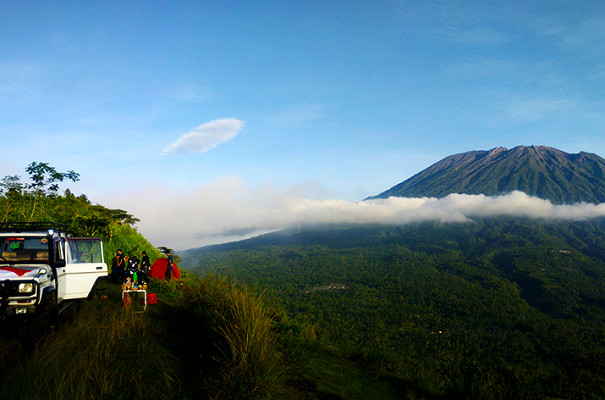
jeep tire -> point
(46, 316)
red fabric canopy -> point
(158, 269)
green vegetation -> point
(499, 308)
(40, 201)
(106, 352)
(207, 338)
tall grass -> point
(207, 338)
(107, 353)
(243, 331)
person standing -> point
(170, 265)
(145, 265)
(118, 269)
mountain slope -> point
(539, 171)
(513, 307)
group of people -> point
(124, 267)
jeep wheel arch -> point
(94, 287)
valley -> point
(500, 308)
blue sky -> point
(185, 112)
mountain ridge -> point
(541, 171)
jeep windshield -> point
(24, 249)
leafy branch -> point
(45, 181)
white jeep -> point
(43, 270)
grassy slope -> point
(130, 242)
(207, 338)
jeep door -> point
(84, 264)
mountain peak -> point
(539, 171)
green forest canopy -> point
(499, 308)
(39, 200)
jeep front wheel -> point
(46, 315)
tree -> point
(117, 215)
(44, 178)
(165, 250)
(11, 184)
(44, 181)
(22, 200)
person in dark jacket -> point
(145, 265)
(170, 266)
(118, 270)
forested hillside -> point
(497, 308)
(38, 199)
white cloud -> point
(229, 210)
(205, 137)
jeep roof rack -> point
(33, 227)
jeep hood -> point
(11, 272)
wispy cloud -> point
(297, 114)
(205, 137)
(191, 92)
(229, 210)
(482, 36)
(20, 79)
(585, 36)
(539, 108)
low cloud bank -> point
(228, 210)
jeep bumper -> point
(11, 303)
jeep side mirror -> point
(60, 263)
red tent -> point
(158, 269)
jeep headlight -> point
(26, 288)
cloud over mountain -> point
(205, 137)
(229, 210)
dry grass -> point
(250, 363)
(210, 338)
(106, 353)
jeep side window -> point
(96, 251)
(79, 251)
(84, 250)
